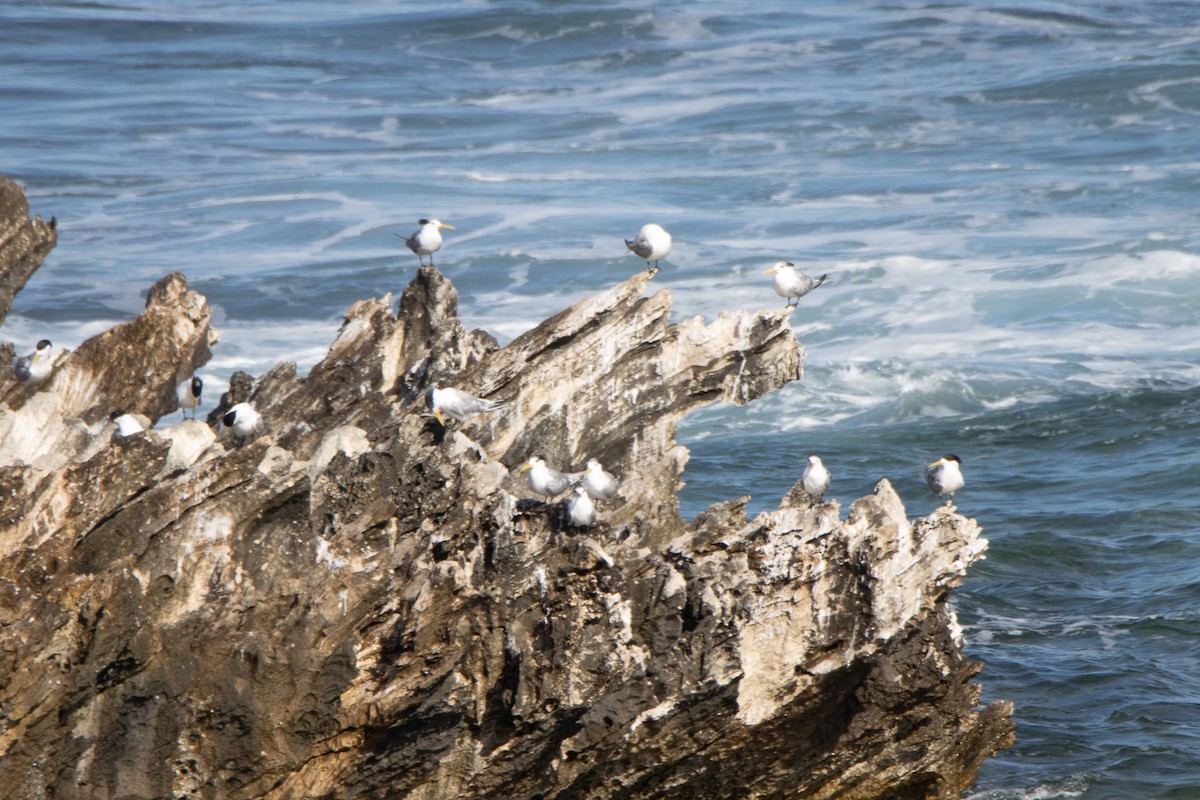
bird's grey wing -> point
(561, 481)
(21, 368)
(639, 246)
(492, 405)
(933, 476)
(808, 283)
(477, 405)
(815, 282)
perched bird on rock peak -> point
(792, 284)
(427, 239)
(580, 508)
(944, 476)
(598, 482)
(189, 394)
(816, 477)
(35, 367)
(545, 481)
(459, 405)
(651, 244)
(245, 420)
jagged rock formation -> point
(24, 243)
(360, 603)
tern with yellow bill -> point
(791, 284)
(427, 240)
(459, 405)
(945, 477)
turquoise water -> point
(1003, 194)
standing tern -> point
(545, 481)
(189, 394)
(651, 244)
(816, 477)
(35, 367)
(427, 240)
(459, 405)
(945, 477)
(599, 483)
(580, 508)
(792, 284)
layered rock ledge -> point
(360, 603)
(24, 243)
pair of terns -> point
(943, 477)
(188, 395)
(651, 242)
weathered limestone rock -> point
(360, 603)
(134, 368)
(24, 243)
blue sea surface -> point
(1003, 194)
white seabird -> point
(427, 240)
(792, 284)
(127, 424)
(459, 405)
(599, 483)
(189, 394)
(651, 244)
(944, 476)
(245, 420)
(816, 477)
(545, 481)
(580, 508)
(35, 367)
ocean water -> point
(1003, 193)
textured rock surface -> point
(361, 604)
(24, 243)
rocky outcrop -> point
(361, 603)
(24, 243)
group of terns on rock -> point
(593, 484)
(652, 243)
(243, 419)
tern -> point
(35, 367)
(945, 477)
(791, 284)
(427, 240)
(189, 394)
(816, 477)
(545, 481)
(459, 405)
(651, 244)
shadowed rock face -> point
(24, 243)
(360, 603)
